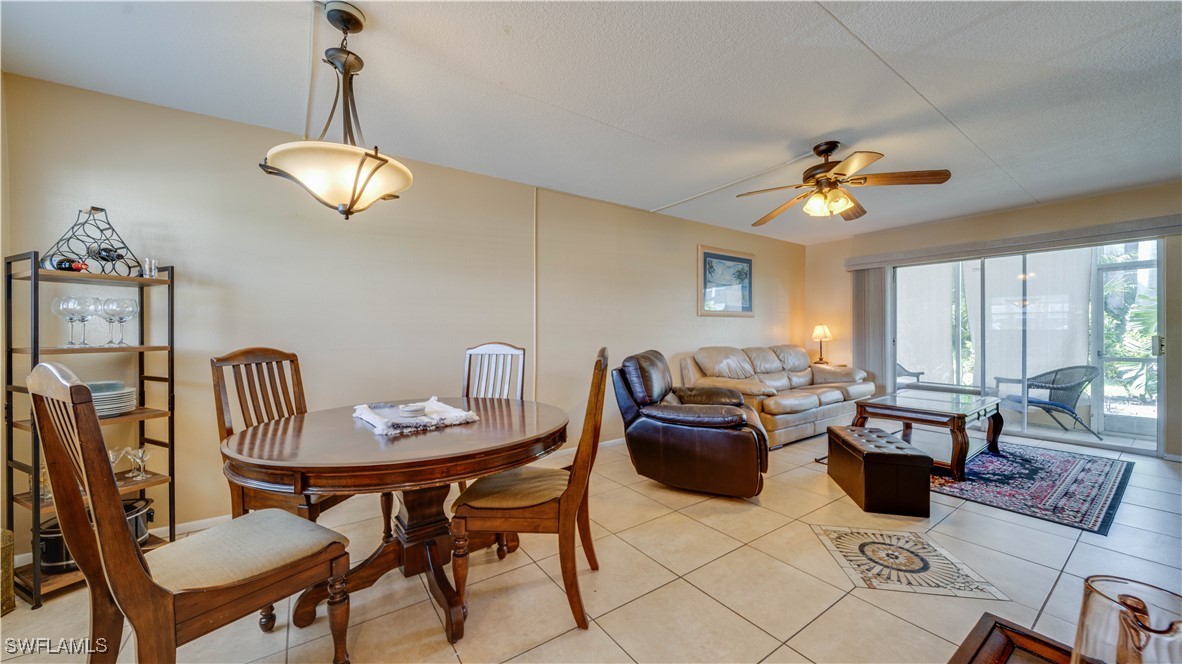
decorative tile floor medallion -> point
(904, 561)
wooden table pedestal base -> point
(420, 542)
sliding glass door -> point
(1125, 330)
(1065, 338)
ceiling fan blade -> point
(854, 163)
(902, 177)
(856, 211)
(764, 191)
(780, 210)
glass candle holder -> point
(1128, 622)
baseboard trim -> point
(1173, 457)
(202, 524)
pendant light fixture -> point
(344, 176)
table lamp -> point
(821, 334)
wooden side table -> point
(996, 640)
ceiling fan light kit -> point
(826, 182)
(344, 176)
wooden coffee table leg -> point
(994, 433)
(907, 432)
(960, 450)
(859, 418)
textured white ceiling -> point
(677, 106)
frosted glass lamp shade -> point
(816, 205)
(838, 200)
(343, 177)
(821, 333)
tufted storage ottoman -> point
(880, 472)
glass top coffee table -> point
(948, 410)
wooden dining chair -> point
(530, 499)
(268, 385)
(495, 370)
(186, 589)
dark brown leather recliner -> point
(696, 438)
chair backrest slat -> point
(281, 379)
(267, 382)
(276, 397)
(76, 457)
(494, 370)
(592, 423)
(240, 386)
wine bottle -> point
(60, 263)
(102, 253)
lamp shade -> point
(346, 178)
(816, 205)
(838, 200)
(821, 333)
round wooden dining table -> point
(328, 452)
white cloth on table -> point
(386, 419)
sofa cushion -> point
(749, 386)
(844, 411)
(777, 380)
(763, 359)
(853, 391)
(791, 401)
(794, 358)
(801, 378)
(724, 362)
(826, 393)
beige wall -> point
(828, 283)
(627, 278)
(379, 307)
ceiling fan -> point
(826, 184)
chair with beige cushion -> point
(186, 589)
(538, 500)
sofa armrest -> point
(709, 396)
(716, 417)
(824, 373)
(752, 386)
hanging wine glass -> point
(87, 308)
(111, 315)
(139, 456)
(125, 310)
(61, 309)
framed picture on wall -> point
(724, 282)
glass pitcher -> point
(1128, 622)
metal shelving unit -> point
(30, 582)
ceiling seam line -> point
(929, 102)
(731, 184)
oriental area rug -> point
(1077, 490)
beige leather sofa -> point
(793, 398)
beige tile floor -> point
(687, 577)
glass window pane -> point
(1005, 310)
(933, 338)
(1127, 252)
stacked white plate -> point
(111, 398)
